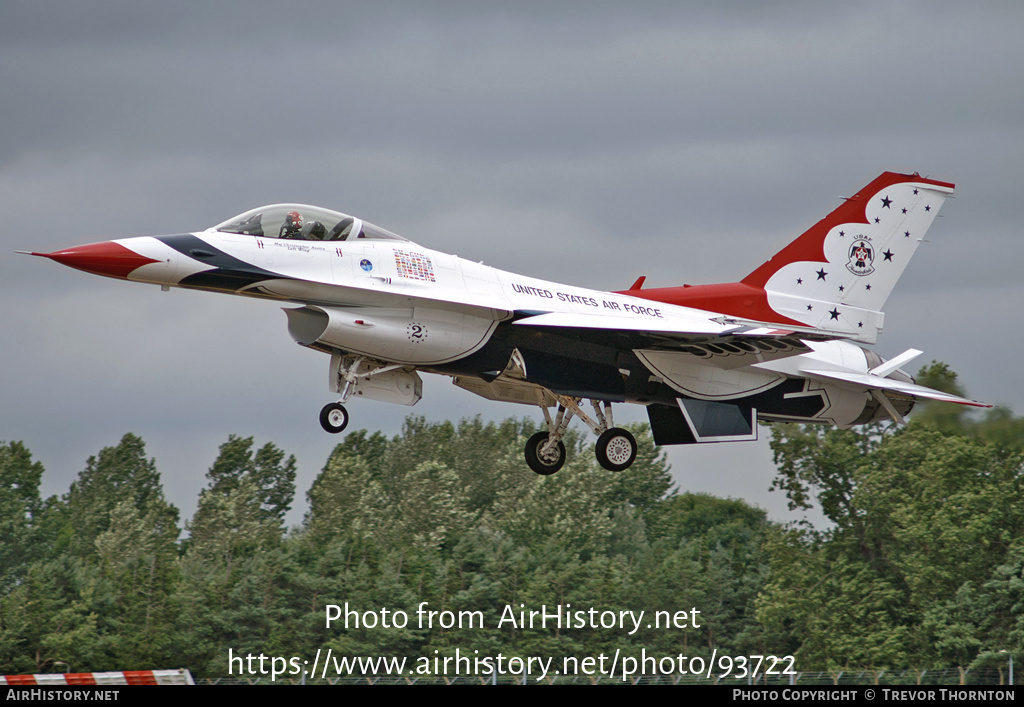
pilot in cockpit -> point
(292, 226)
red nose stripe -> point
(107, 258)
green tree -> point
(922, 515)
(228, 594)
(714, 547)
(267, 470)
(98, 599)
(20, 509)
(53, 616)
(231, 523)
(117, 474)
(139, 569)
(951, 419)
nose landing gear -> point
(363, 377)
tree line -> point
(922, 566)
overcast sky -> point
(581, 142)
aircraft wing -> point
(683, 328)
(719, 341)
(722, 341)
(729, 344)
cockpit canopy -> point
(304, 223)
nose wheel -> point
(334, 418)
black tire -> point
(334, 418)
(615, 449)
(545, 466)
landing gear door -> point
(393, 386)
(702, 421)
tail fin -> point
(838, 274)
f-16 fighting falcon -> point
(707, 361)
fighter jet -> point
(785, 343)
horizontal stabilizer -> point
(868, 381)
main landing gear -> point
(615, 449)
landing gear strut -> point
(615, 450)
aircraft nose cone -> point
(106, 258)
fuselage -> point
(383, 297)
(380, 274)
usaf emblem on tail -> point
(861, 257)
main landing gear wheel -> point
(334, 418)
(545, 462)
(615, 449)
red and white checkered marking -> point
(125, 677)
